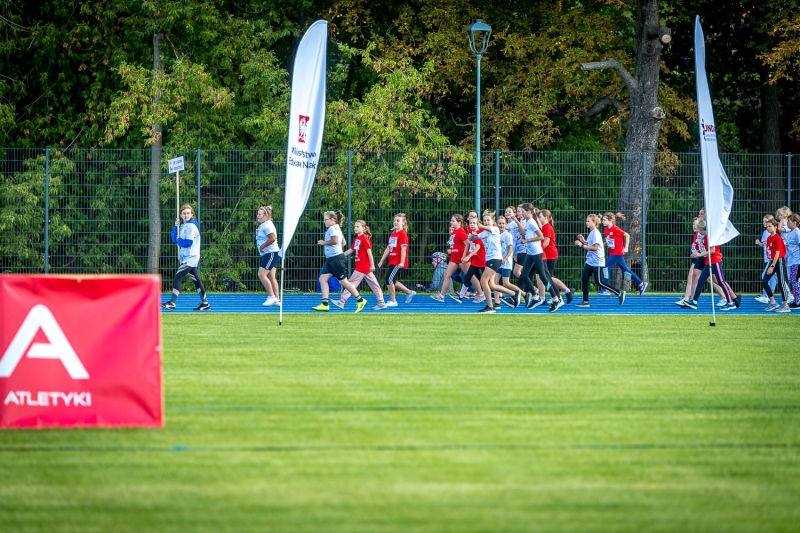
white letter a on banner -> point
(58, 348)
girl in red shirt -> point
(776, 255)
(458, 244)
(713, 266)
(476, 257)
(364, 266)
(551, 252)
(617, 241)
(397, 252)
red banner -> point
(80, 351)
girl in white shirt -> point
(532, 236)
(494, 260)
(595, 261)
(335, 264)
(267, 243)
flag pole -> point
(178, 204)
(280, 312)
(711, 279)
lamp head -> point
(479, 34)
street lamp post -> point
(478, 34)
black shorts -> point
(395, 273)
(336, 266)
(494, 264)
(699, 262)
(270, 260)
(550, 265)
(520, 260)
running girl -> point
(365, 266)
(697, 254)
(715, 266)
(187, 237)
(335, 262)
(532, 236)
(792, 241)
(617, 241)
(595, 261)
(776, 253)
(458, 244)
(494, 259)
(763, 298)
(267, 243)
(551, 251)
(397, 251)
(516, 219)
(476, 257)
(507, 245)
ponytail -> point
(490, 214)
(613, 217)
(367, 232)
(405, 220)
(548, 216)
(338, 216)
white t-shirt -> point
(262, 235)
(764, 237)
(533, 248)
(519, 248)
(598, 257)
(190, 255)
(506, 242)
(785, 228)
(491, 240)
(332, 250)
(792, 241)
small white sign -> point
(175, 165)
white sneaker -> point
(681, 302)
(722, 303)
(480, 298)
(391, 304)
(437, 297)
(379, 307)
(271, 301)
(338, 303)
(783, 309)
(771, 307)
(410, 296)
(762, 299)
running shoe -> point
(170, 306)
(783, 309)
(455, 296)
(517, 299)
(270, 301)
(762, 299)
(621, 297)
(737, 301)
(556, 305)
(582, 305)
(438, 297)
(771, 307)
(338, 303)
(391, 304)
(479, 299)
(380, 306)
(509, 301)
(204, 306)
(535, 303)
(643, 287)
(691, 304)
(528, 300)
(410, 296)
(361, 305)
(603, 292)
(487, 310)
(728, 307)
(722, 303)
(681, 302)
(794, 306)
(322, 307)
(569, 296)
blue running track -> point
(422, 303)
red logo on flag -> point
(303, 128)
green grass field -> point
(438, 423)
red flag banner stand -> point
(80, 351)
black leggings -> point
(535, 262)
(589, 271)
(473, 271)
(783, 284)
(194, 275)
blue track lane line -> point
(422, 303)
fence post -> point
(644, 215)
(789, 180)
(349, 202)
(497, 183)
(47, 210)
(198, 186)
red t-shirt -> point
(716, 255)
(551, 252)
(360, 246)
(479, 259)
(457, 245)
(397, 240)
(775, 247)
(615, 240)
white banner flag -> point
(306, 122)
(717, 189)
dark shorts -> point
(335, 266)
(520, 259)
(505, 272)
(550, 265)
(270, 260)
(395, 273)
(494, 264)
(699, 263)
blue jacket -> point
(183, 243)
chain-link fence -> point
(88, 211)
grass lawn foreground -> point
(437, 423)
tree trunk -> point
(644, 125)
(154, 196)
